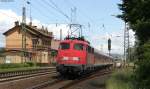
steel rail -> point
(68, 83)
(15, 75)
(46, 84)
(67, 86)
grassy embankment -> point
(121, 79)
(17, 67)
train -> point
(76, 57)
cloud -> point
(8, 17)
(55, 28)
(98, 41)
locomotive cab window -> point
(78, 46)
(64, 46)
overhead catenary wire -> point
(84, 25)
(42, 12)
(44, 8)
(52, 5)
(57, 9)
(70, 2)
(49, 4)
(89, 20)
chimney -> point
(46, 30)
(42, 28)
(16, 23)
(30, 23)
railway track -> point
(77, 81)
(46, 84)
(16, 75)
(65, 84)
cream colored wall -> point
(14, 40)
(29, 42)
(45, 57)
(42, 57)
(2, 60)
(13, 58)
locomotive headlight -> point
(76, 58)
(65, 58)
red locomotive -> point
(76, 56)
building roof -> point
(31, 29)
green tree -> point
(137, 14)
(53, 54)
(142, 72)
(2, 51)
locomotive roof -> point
(75, 40)
(82, 40)
(101, 53)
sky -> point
(97, 18)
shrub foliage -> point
(137, 14)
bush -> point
(30, 64)
(143, 70)
(5, 66)
(120, 79)
(142, 75)
(43, 64)
(54, 63)
(15, 65)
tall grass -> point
(16, 66)
(120, 79)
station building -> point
(37, 47)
